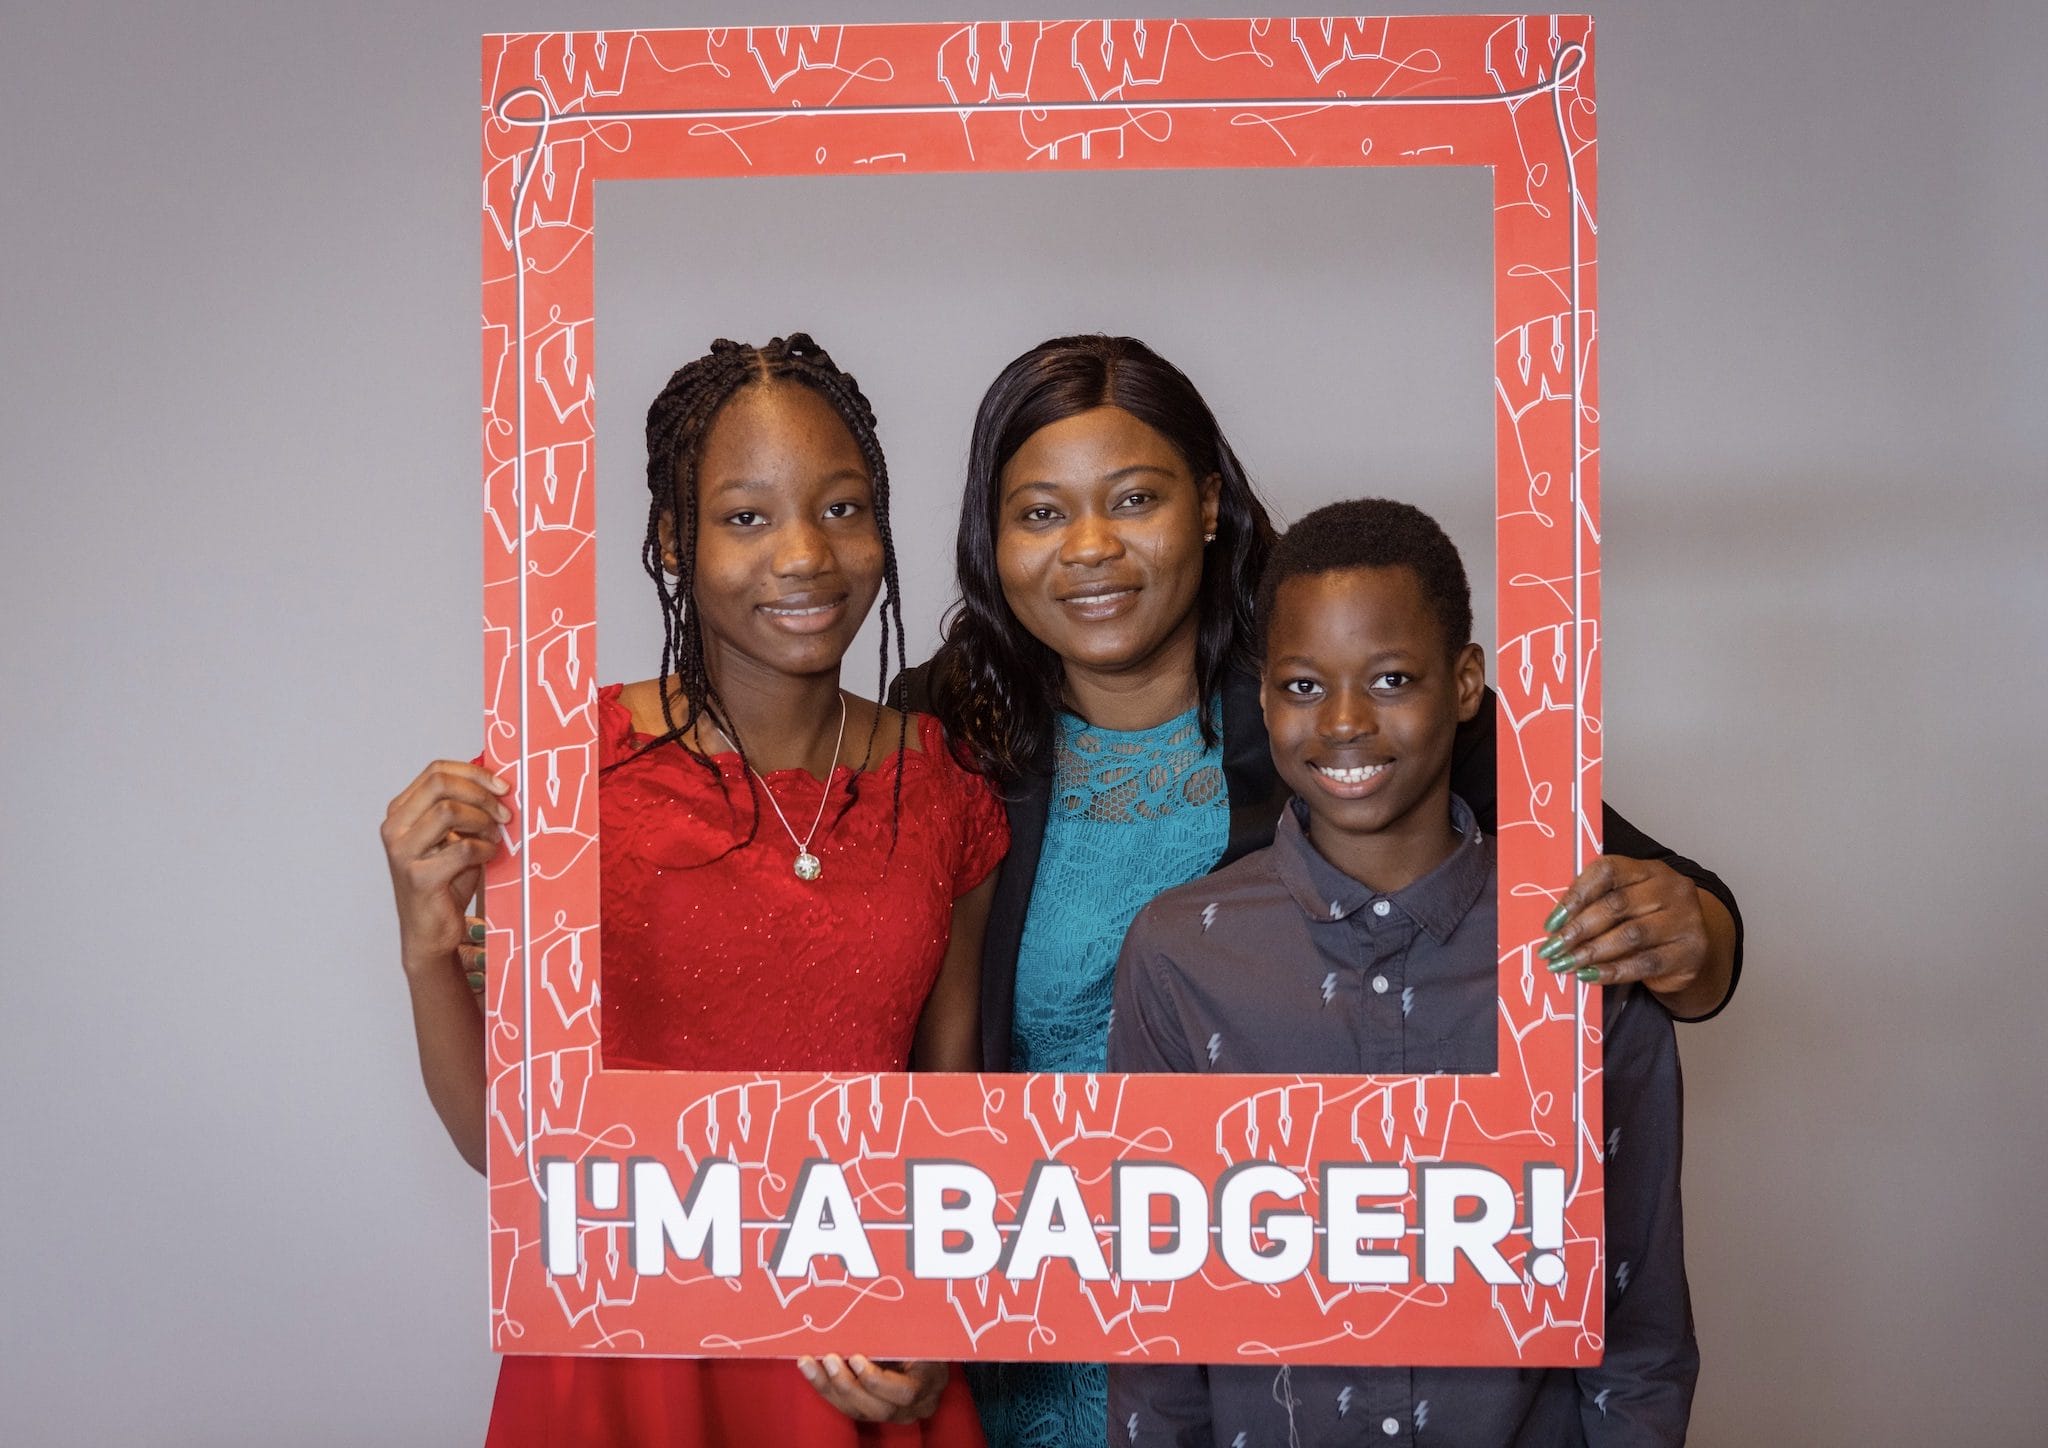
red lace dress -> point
(733, 963)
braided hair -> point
(678, 421)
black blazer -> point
(1256, 798)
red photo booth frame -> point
(635, 1212)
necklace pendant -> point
(807, 866)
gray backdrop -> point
(239, 574)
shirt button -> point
(1390, 1426)
(1379, 985)
(1381, 907)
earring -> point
(1208, 537)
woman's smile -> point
(1094, 602)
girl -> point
(793, 878)
(1099, 670)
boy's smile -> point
(1362, 700)
(1350, 783)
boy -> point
(1363, 940)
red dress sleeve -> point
(983, 826)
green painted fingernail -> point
(1589, 974)
(1564, 963)
(1551, 948)
(1556, 919)
(476, 980)
(477, 931)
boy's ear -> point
(1469, 670)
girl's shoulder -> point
(878, 737)
(916, 743)
(929, 766)
(881, 731)
(637, 707)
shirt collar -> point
(1436, 902)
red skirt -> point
(597, 1402)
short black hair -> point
(1374, 533)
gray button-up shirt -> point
(1283, 963)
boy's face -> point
(1362, 701)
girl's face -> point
(789, 552)
(1099, 538)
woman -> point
(741, 785)
(1098, 669)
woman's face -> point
(789, 552)
(1099, 538)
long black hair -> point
(677, 423)
(995, 686)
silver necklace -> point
(807, 867)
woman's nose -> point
(1090, 539)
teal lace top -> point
(1133, 813)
